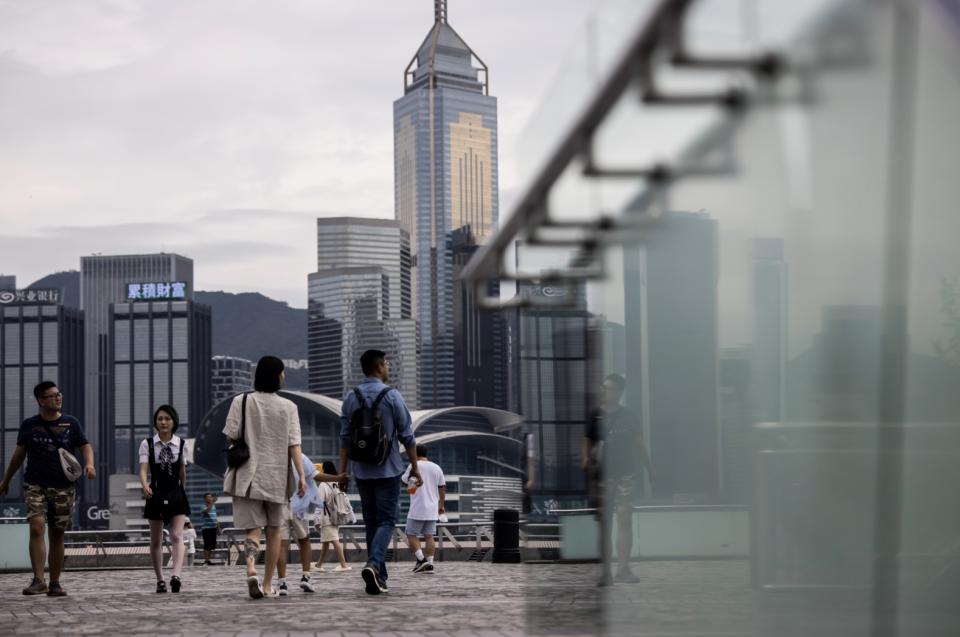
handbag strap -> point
(150, 460)
(53, 437)
(243, 415)
(180, 460)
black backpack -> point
(368, 440)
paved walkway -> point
(464, 599)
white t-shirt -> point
(189, 540)
(425, 503)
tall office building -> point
(480, 336)
(555, 368)
(769, 270)
(160, 355)
(39, 340)
(229, 375)
(8, 282)
(105, 280)
(670, 292)
(359, 299)
(445, 178)
(348, 242)
(735, 424)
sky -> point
(222, 129)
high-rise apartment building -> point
(670, 292)
(105, 280)
(229, 375)
(445, 178)
(39, 340)
(359, 299)
(160, 355)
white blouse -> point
(174, 445)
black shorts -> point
(209, 539)
(166, 506)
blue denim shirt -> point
(397, 424)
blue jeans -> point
(380, 503)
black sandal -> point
(175, 584)
(161, 586)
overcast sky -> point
(221, 129)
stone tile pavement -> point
(464, 599)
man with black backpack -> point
(373, 418)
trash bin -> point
(506, 536)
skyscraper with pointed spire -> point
(445, 179)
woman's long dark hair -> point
(267, 377)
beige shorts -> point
(256, 514)
(329, 533)
(299, 529)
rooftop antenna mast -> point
(440, 10)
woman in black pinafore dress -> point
(164, 455)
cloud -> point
(263, 214)
(63, 38)
(134, 126)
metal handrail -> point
(481, 530)
(661, 508)
(100, 546)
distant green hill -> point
(250, 325)
(247, 325)
(67, 282)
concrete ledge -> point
(674, 533)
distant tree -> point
(949, 349)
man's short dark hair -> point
(328, 468)
(267, 376)
(618, 380)
(42, 388)
(370, 360)
(422, 451)
(208, 494)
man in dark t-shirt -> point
(613, 456)
(49, 493)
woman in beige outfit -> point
(262, 486)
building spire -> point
(440, 10)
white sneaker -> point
(342, 569)
(306, 585)
(284, 591)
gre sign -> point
(95, 513)
(156, 291)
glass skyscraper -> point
(39, 340)
(555, 371)
(359, 299)
(161, 355)
(445, 178)
(105, 280)
(671, 317)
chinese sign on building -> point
(30, 297)
(156, 291)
